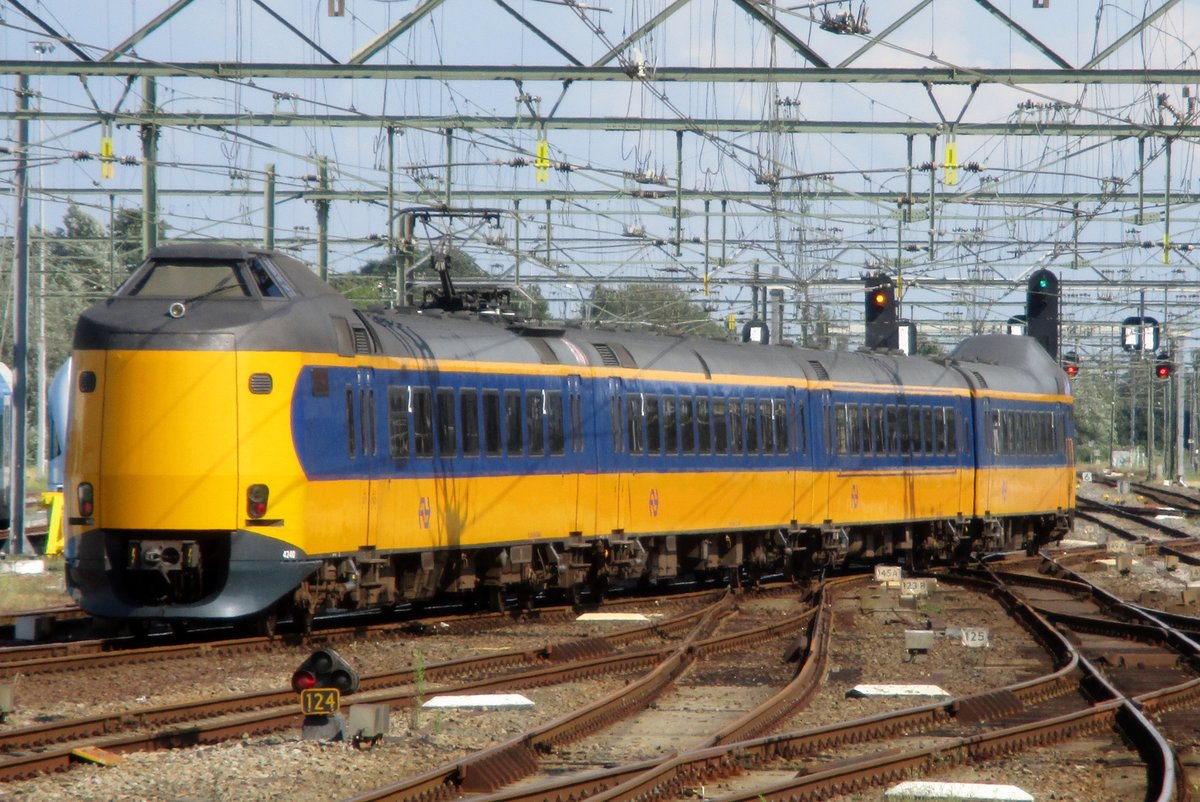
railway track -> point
(1064, 701)
(277, 709)
(42, 658)
(1113, 669)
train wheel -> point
(495, 598)
(269, 623)
(303, 618)
(525, 596)
(597, 586)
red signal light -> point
(1162, 371)
(1072, 370)
(85, 496)
(256, 500)
(303, 680)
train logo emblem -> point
(423, 512)
(654, 502)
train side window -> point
(351, 441)
(801, 429)
(940, 438)
(902, 440)
(447, 446)
(670, 426)
(687, 425)
(469, 421)
(366, 419)
(398, 423)
(534, 430)
(930, 441)
(751, 418)
(633, 422)
(871, 423)
(878, 436)
(854, 426)
(720, 426)
(422, 422)
(995, 439)
(577, 423)
(512, 423)
(754, 425)
(491, 422)
(914, 431)
(779, 412)
(766, 425)
(554, 422)
(951, 431)
(653, 425)
(891, 419)
(843, 428)
(703, 426)
(614, 414)
(264, 278)
(737, 427)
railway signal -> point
(1070, 364)
(1041, 310)
(325, 668)
(882, 330)
(1163, 367)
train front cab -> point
(157, 506)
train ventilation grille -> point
(261, 383)
(979, 378)
(607, 355)
(362, 344)
(822, 374)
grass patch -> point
(20, 592)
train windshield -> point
(190, 279)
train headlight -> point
(85, 496)
(256, 500)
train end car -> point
(1024, 440)
(178, 492)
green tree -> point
(658, 306)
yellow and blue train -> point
(243, 442)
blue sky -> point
(806, 235)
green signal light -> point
(1042, 283)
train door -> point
(613, 501)
(820, 429)
(367, 495)
(582, 448)
(796, 452)
(987, 439)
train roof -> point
(306, 313)
(1008, 363)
